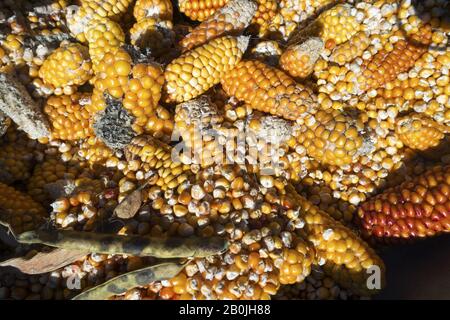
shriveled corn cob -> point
(269, 90)
(103, 35)
(157, 156)
(203, 67)
(419, 131)
(334, 138)
(136, 87)
(234, 17)
(416, 208)
(197, 121)
(299, 60)
(66, 68)
(69, 118)
(153, 33)
(158, 9)
(200, 10)
(351, 49)
(345, 256)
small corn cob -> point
(234, 17)
(157, 156)
(385, 66)
(269, 90)
(416, 208)
(153, 33)
(200, 10)
(343, 254)
(19, 210)
(113, 9)
(334, 138)
(49, 171)
(299, 60)
(334, 26)
(136, 86)
(158, 9)
(196, 71)
(420, 132)
(196, 121)
(103, 35)
(68, 116)
(264, 16)
(66, 68)
(351, 49)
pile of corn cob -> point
(308, 129)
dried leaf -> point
(130, 205)
(44, 262)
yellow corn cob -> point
(103, 36)
(420, 132)
(77, 20)
(343, 254)
(269, 90)
(333, 138)
(155, 155)
(351, 49)
(195, 121)
(49, 171)
(196, 71)
(200, 10)
(299, 60)
(68, 116)
(19, 210)
(136, 86)
(66, 68)
(16, 162)
(264, 16)
(234, 17)
(95, 151)
(106, 8)
(158, 9)
(153, 33)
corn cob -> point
(299, 60)
(419, 132)
(158, 9)
(351, 49)
(385, 66)
(16, 162)
(196, 121)
(112, 9)
(95, 151)
(200, 10)
(346, 257)
(269, 90)
(155, 155)
(135, 87)
(19, 210)
(103, 36)
(234, 17)
(77, 20)
(416, 208)
(49, 171)
(198, 70)
(153, 33)
(264, 16)
(334, 138)
(68, 117)
(67, 67)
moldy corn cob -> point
(234, 17)
(299, 60)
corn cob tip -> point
(242, 43)
(243, 10)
